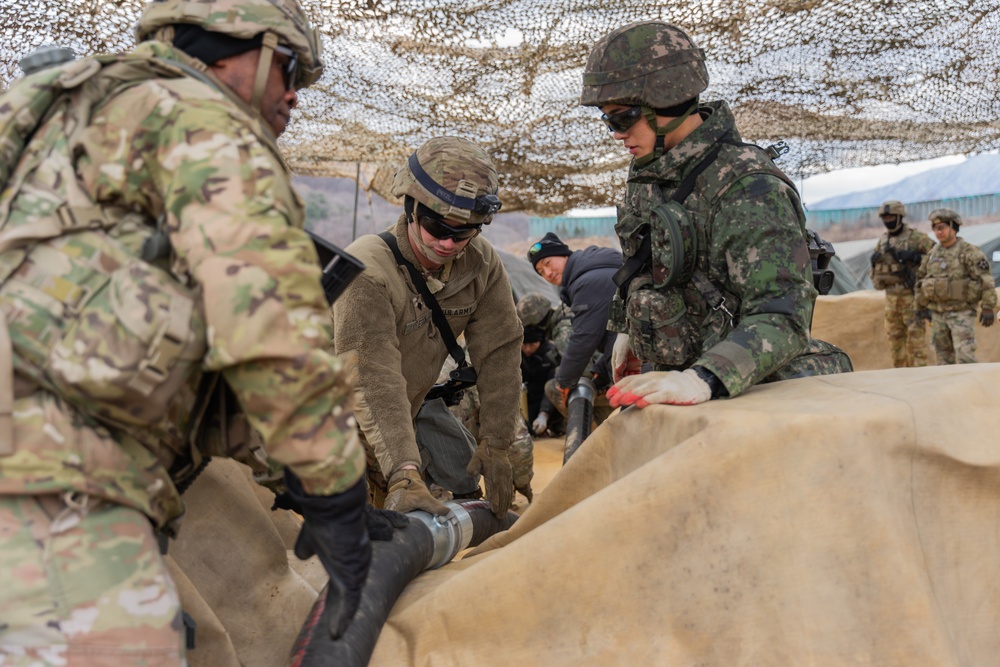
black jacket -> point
(587, 288)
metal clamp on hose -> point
(451, 533)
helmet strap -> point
(661, 132)
(268, 43)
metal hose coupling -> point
(468, 524)
(450, 533)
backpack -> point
(122, 337)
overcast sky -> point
(841, 182)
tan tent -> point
(825, 521)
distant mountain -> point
(979, 175)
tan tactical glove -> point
(490, 461)
(407, 492)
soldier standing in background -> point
(717, 287)
(954, 277)
(894, 266)
(156, 285)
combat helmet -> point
(453, 177)
(533, 308)
(892, 207)
(279, 22)
(945, 215)
(896, 208)
(650, 64)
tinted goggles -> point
(290, 72)
(441, 231)
(623, 120)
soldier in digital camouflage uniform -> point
(535, 310)
(894, 266)
(449, 187)
(954, 277)
(716, 290)
(156, 284)
(556, 326)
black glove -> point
(922, 316)
(338, 529)
(987, 317)
(908, 256)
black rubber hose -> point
(484, 522)
(394, 564)
(579, 417)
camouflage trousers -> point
(954, 336)
(522, 448)
(82, 584)
(602, 408)
(444, 471)
(906, 334)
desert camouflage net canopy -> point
(845, 83)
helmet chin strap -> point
(270, 40)
(661, 132)
(413, 229)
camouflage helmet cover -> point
(649, 63)
(532, 309)
(892, 207)
(242, 19)
(453, 177)
(945, 215)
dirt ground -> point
(548, 461)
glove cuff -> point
(322, 507)
(712, 380)
(404, 479)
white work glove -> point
(540, 424)
(670, 387)
(623, 362)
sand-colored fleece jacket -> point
(382, 319)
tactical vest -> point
(665, 297)
(84, 315)
(948, 285)
(887, 270)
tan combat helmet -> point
(453, 177)
(896, 208)
(533, 308)
(649, 64)
(279, 22)
(945, 215)
(892, 207)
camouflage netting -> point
(845, 83)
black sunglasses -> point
(441, 231)
(290, 73)
(622, 120)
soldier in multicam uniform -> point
(954, 277)
(894, 265)
(449, 188)
(156, 285)
(716, 290)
